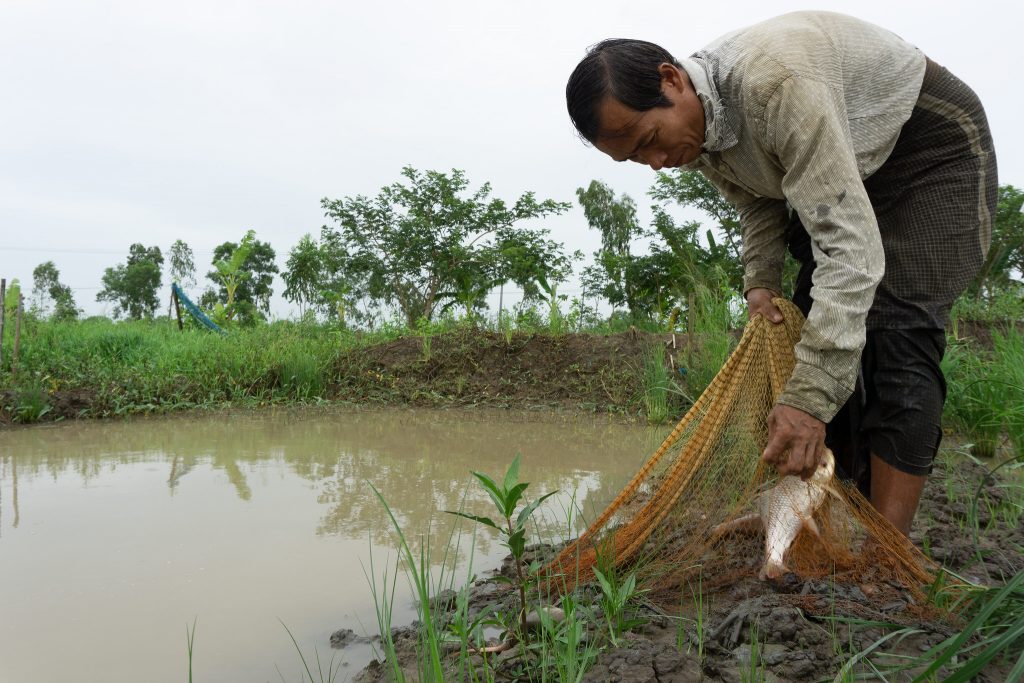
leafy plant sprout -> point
(506, 498)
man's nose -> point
(656, 160)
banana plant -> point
(231, 275)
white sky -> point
(141, 121)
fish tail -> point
(773, 568)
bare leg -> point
(895, 494)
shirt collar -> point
(718, 134)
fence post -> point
(3, 314)
(501, 302)
(17, 334)
(177, 308)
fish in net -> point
(705, 502)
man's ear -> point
(672, 77)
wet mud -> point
(791, 629)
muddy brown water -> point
(116, 535)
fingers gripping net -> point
(705, 500)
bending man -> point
(874, 166)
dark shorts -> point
(896, 410)
(934, 199)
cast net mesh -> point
(705, 502)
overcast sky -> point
(138, 121)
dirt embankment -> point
(578, 371)
(466, 367)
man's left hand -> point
(796, 441)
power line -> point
(61, 250)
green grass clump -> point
(562, 644)
(656, 385)
(985, 396)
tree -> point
(47, 288)
(304, 274)
(677, 262)
(1004, 263)
(252, 268)
(429, 244)
(692, 189)
(133, 286)
(614, 274)
(182, 263)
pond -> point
(115, 536)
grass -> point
(656, 385)
(985, 397)
(110, 369)
(322, 676)
(993, 632)
(190, 641)
(566, 641)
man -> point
(874, 165)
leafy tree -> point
(248, 267)
(692, 189)
(47, 288)
(616, 270)
(133, 286)
(430, 244)
(677, 262)
(1003, 267)
(304, 274)
(182, 263)
(11, 298)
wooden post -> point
(177, 308)
(3, 314)
(17, 334)
(691, 320)
(583, 308)
(501, 302)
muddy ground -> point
(574, 371)
(792, 619)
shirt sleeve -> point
(763, 222)
(807, 126)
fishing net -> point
(700, 502)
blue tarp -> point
(194, 310)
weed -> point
(656, 385)
(506, 498)
(30, 405)
(190, 641)
(754, 670)
(617, 597)
(322, 676)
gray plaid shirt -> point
(801, 109)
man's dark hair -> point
(624, 68)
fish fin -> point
(747, 524)
(835, 494)
(812, 526)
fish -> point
(783, 510)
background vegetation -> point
(412, 268)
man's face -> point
(663, 137)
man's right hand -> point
(759, 302)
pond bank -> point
(465, 367)
(792, 630)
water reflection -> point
(243, 518)
(420, 461)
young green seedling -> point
(506, 498)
